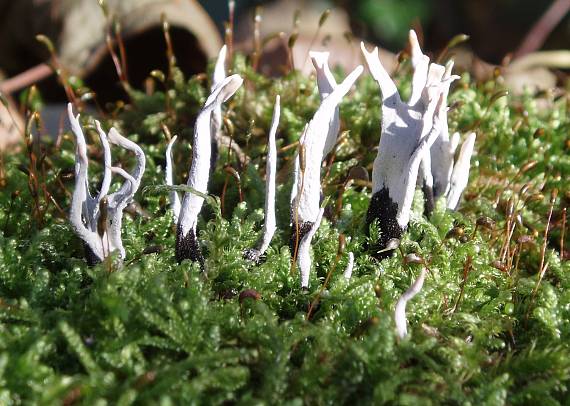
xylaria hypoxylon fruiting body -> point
(97, 220)
(269, 225)
(187, 246)
(408, 130)
(306, 193)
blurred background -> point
(501, 33)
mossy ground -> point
(486, 328)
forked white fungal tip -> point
(319, 58)
(171, 143)
(400, 311)
(225, 89)
(85, 213)
(365, 51)
(349, 266)
(387, 86)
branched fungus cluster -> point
(97, 219)
(415, 149)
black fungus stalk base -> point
(383, 211)
(429, 199)
(295, 239)
(254, 255)
(90, 256)
(187, 247)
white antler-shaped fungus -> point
(187, 246)
(326, 84)
(408, 131)
(306, 193)
(441, 153)
(218, 77)
(437, 171)
(269, 225)
(97, 220)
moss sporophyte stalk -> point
(316, 283)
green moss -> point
(155, 331)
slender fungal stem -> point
(400, 311)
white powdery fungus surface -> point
(97, 220)
(306, 191)
(400, 312)
(460, 175)
(186, 246)
(270, 224)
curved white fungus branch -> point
(120, 199)
(304, 254)
(435, 163)
(97, 220)
(460, 175)
(326, 84)
(408, 131)
(443, 149)
(438, 174)
(269, 225)
(186, 242)
(306, 193)
(400, 312)
(173, 195)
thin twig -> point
(26, 78)
(543, 27)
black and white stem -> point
(97, 220)
(439, 175)
(306, 193)
(270, 224)
(400, 312)
(326, 83)
(408, 130)
(187, 246)
(304, 254)
(438, 163)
